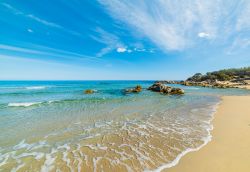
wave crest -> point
(35, 88)
(26, 104)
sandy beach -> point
(229, 150)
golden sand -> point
(229, 150)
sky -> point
(121, 39)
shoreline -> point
(166, 167)
(224, 152)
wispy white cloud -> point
(175, 25)
(31, 16)
(11, 8)
(42, 21)
(41, 51)
(238, 45)
(39, 20)
(111, 41)
(243, 22)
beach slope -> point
(229, 150)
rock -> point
(169, 82)
(159, 87)
(177, 91)
(137, 89)
(89, 91)
(186, 83)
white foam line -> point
(27, 104)
(6, 157)
(35, 87)
(206, 141)
(49, 160)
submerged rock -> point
(159, 87)
(137, 89)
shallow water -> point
(54, 126)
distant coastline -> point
(226, 78)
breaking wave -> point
(35, 88)
(26, 104)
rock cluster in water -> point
(137, 89)
(214, 84)
(211, 83)
(162, 88)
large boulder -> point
(159, 87)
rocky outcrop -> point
(216, 84)
(227, 78)
(169, 82)
(162, 88)
(137, 89)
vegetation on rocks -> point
(227, 78)
(222, 75)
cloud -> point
(30, 30)
(41, 51)
(203, 35)
(111, 42)
(173, 25)
(40, 20)
(243, 21)
(239, 44)
(121, 49)
(31, 16)
(14, 10)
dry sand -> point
(229, 150)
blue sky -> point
(111, 39)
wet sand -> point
(229, 150)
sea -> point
(53, 126)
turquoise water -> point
(54, 126)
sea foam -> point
(35, 88)
(206, 140)
(26, 104)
